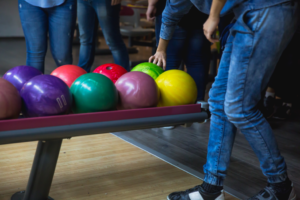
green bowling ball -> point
(149, 68)
(93, 93)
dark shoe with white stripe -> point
(270, 193)
(196, 193)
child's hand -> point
(210, 28)
(159, 58)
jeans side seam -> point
(220, 150)
(254, 34)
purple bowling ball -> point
(46, 95)
(137, 90)
(19, 75)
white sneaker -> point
(196, 193)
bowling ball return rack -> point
(50, 132)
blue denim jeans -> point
(192, 47)
(59, 22)
(252, 51)
(108, 17)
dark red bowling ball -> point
(112, 71)
(137, 90)
(10, 100)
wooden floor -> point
(95, 167)
(186, 148)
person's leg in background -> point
(87, 20)
(109, 19)
(62, 21)
(224, 26)
(284, 83)
(225, 21)
(157, 28)
(176, 48)
(190, 46)
(35, 27)
(197, 59)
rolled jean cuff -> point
(213, 180)
(277, 178)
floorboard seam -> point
(176, 164)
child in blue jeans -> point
(262, 30)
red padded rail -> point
(61, 120)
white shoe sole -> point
(221, 197)
(169, 127)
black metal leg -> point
(42, 172)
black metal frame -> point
(50, 140)
(42, 171)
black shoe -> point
(270, 193)
(282, 112)
(269, 106)
(196, 193)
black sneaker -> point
(268, 107)
(269, 193)
(196, 193)
(282, 112)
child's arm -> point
(212, 22)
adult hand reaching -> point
(159, 58)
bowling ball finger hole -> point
(108, 68)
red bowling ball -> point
(112, 71)
(137, 90)
(10, 100)
(68, 73)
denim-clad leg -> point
(36, 21)
(35, 27)
(87, 29)
(193, 48)
(62, 21)
(197, 59)
(250, 57)
(108, 17)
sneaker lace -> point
(262, 192)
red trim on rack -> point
(61, 120)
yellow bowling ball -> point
(176, 88)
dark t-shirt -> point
(193, 20)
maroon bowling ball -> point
(137, 90)
(10, 100)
